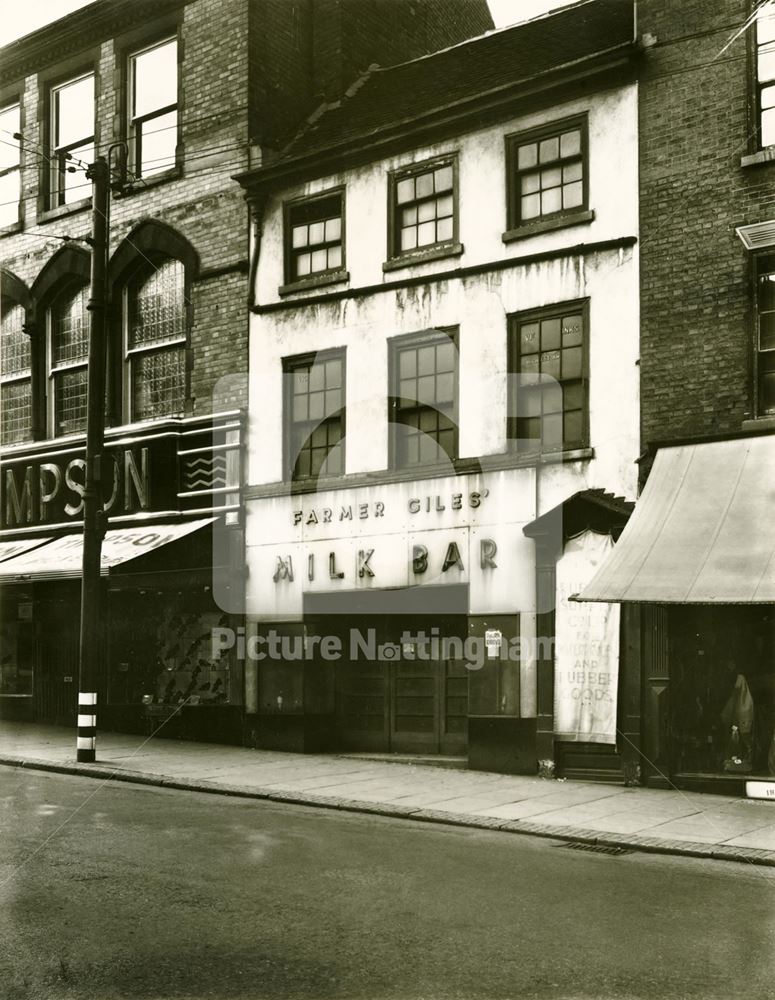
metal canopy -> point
(703, 531)
(61, 559)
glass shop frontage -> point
(696, 563)
(168, 561)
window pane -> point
(14, 344)
(527, 156)
(409, 216)
(303, 265)
(317, 233)
(334, 257)
(158, 141)
(531, 206)
(70, 329)
(9, 147)
(407, 364)
(159, 384)
(317, 377)
(405, 191)
(74, 111)
(551, 432)
(767, 137)
(75, 185)
(530, 183)
(571, 363)
(765, 24)
(573, 195)
(528, 338)
(70, 401)
(333, 230)
(766, 64)
(424, 185)
(426, 234)
(316, 406)
(300, 408)
(551, 178)
(155, 79)
(444, 230)
(574, 427)
(550, 334)
(571, 173)
(299, 238)
(157, 312)
(444, 179)
(444, 206)
(551, 201)
(409, 239)
(426, 390)
(10, 195)
(573, 395)
(445, 356)
(426, 360)
(767, 332)
(15, 412)
(571, 331)
(426, 210)
(550, 364)
(549, 150)
(319, 261)
(570, 143)
(445, 388)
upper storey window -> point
(314, 240)
(72, 132)
(10, 163)
(156, 342)
(548, 173)
(15, 377)
(765, 352)
(153, 108)
(423, 202)
(765, 73)
(69, 324)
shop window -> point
(547, 171)
(314, 236)
(15, 377)
(10, 165)
(765, 335)
(423, 206)
(69, 324)
(765, 73)
(424, 399)
(155, 308)
(16, 644)
(547, 379)
(315, 407)
(153, 108)
(72, 139)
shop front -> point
(696, 568)
(169, 560)
(397, 618)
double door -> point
(403, 697)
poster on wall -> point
(586, 648)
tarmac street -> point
(116, 890)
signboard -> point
(586, 665)
(760, 790)
(46, 489)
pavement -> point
(599, 815)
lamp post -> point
(91, 639)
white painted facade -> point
(279, 525)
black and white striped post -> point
(91, 638)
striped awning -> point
(703, 531)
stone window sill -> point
(421, 256)
(14, 227)
(548, 225)
(759, 158)
(760, 423)
(315, 281)
(62, 210)
(143, 183)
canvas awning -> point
(61, 558)
(703, 531)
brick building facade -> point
(184, 96)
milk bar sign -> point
(48, 489)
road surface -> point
(122, 891)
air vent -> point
(757, 236)
(576, 845)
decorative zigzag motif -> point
(205, 473)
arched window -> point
(15, 376)
(155, 342)
(68, 357)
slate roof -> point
(386, 99)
